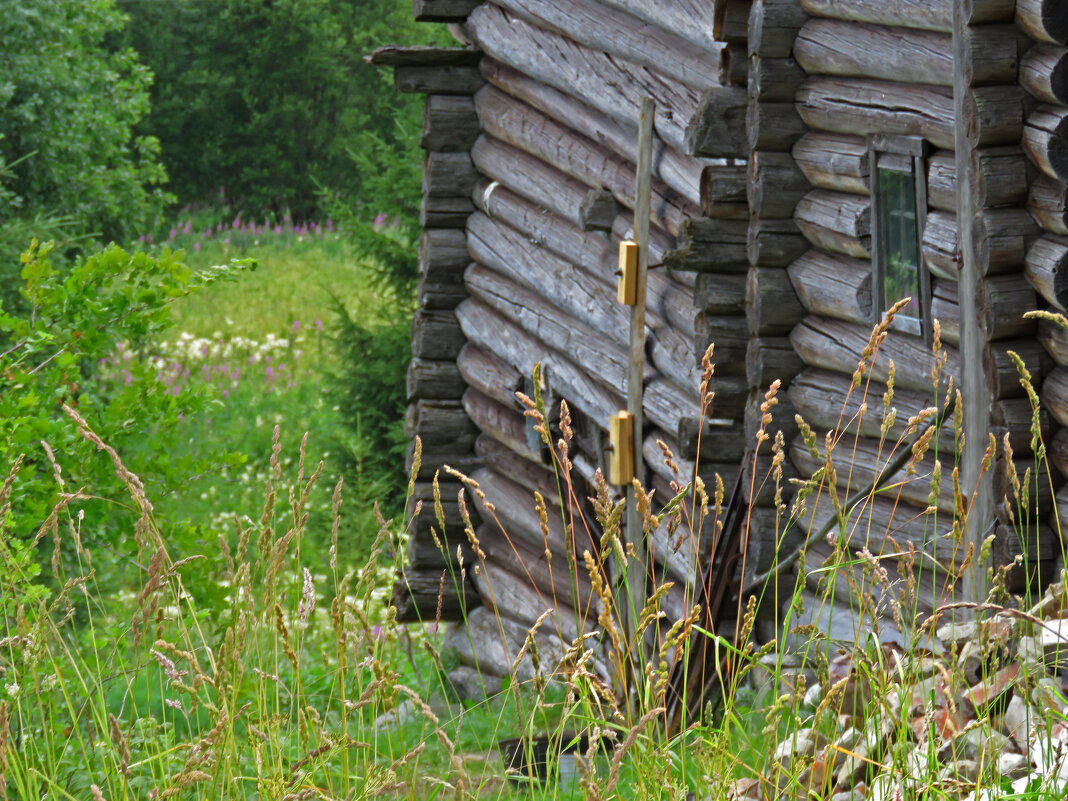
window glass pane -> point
(898, 247)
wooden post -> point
(974, 386)
(638, 567)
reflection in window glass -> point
(898, 240)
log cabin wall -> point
(1043, 74)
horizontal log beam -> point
(530, 177)
(1044, 73)
(1044, 20)
(864, 106)
(443, 10)
(836, 221)
(1000, 174)
(1048, 204)
(934, 15)
(489, 374)
(833, 286)
(771, 305)
(1045, 138)
(838, 162)
(691, 19)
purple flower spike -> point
(175, 390)
(127, 377)
(237, 222)
(278, 229)
(196, 246)
(188, 227)
(173, 233)
(270, 373)
(226, 393)
(319, 325)
(296, 325)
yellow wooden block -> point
(621, 439)
(627, 290)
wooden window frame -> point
(897, 148)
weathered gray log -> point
(660, 242)
(771, 305)
(517, 514)
(1002, 370)
(489, 374)
(710, 246)
(442, 254)
(444, 80)
(672, 354)
(945, 308)
(556, 233)
(419, 595)
(1047, 269)
(1044, 73)
(730, 337)
(555, 328)
(760, 482)
(1005, 235)
(776, 184)
(1045, 138)
(1055, 394)
(1006, 298)
(834, 161)
(598, 211)
(1044, 20)
(430, 380)
(683, 173)
(832, 47)
(829, 400)
(444, 212)
(441, 295)
(734, 65)
(782, 411)
(731, 21)
(583, 295)
(717, 128)
(859, 461)
(605, 29)
(836, 221)
(833, 286)
(491, 641)
(431, 462)
(530, 177)
(1014, 416)
(440, 423)
(934, 15)
(837, 345)
(443, 10)
(1048, 204)
(865, 106)
(503, 423)
(771, 358)
(671, 300)
(610, 85)
(700, 437)
(491, 332)
(448, 175)
(518, 467)
(691, 19)
(539, 572)
(666, 403)
(1054, 339)
(774, 243)
(774, 79)
(723, 191)
(684, 470)
(436, 335)
(1001, 176)
(773, 27)
(524, 127)
(773, 126)
(717, 294)
(449, 123)
(1058, 452)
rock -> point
(970, 661)
(813, 696)
(1013, 766)
(954, 635)
(886, 787)
(743, 790)
(789, 673)
(856, 765)
(977, 744)
(1017, 721)
(1054, 641)
(964, 770)
(468, 685)
(802, 743)
(987, 696)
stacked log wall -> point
(431, 586)
(1043, 75)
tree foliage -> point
(265, 102)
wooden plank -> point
(448, 174)
(774, 243)
(771, 305)
(718, 129)
(769, 359)
(436, 335)
(934, 15)
(443, 10)
(440, 423)
(710, 246)
(773, 79)
(833, 47)
(432, 380)
(864, 106)
(776, 184)
(422, 56)
(449, 123)
(419, 595)
(446, 80)
(444, 212)
(773, 126)
(773, 27)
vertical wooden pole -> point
(638, 567)
(973, 344)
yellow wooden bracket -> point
(621, 442)
(627, 291)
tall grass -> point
(301, 685)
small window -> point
(899, 210)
